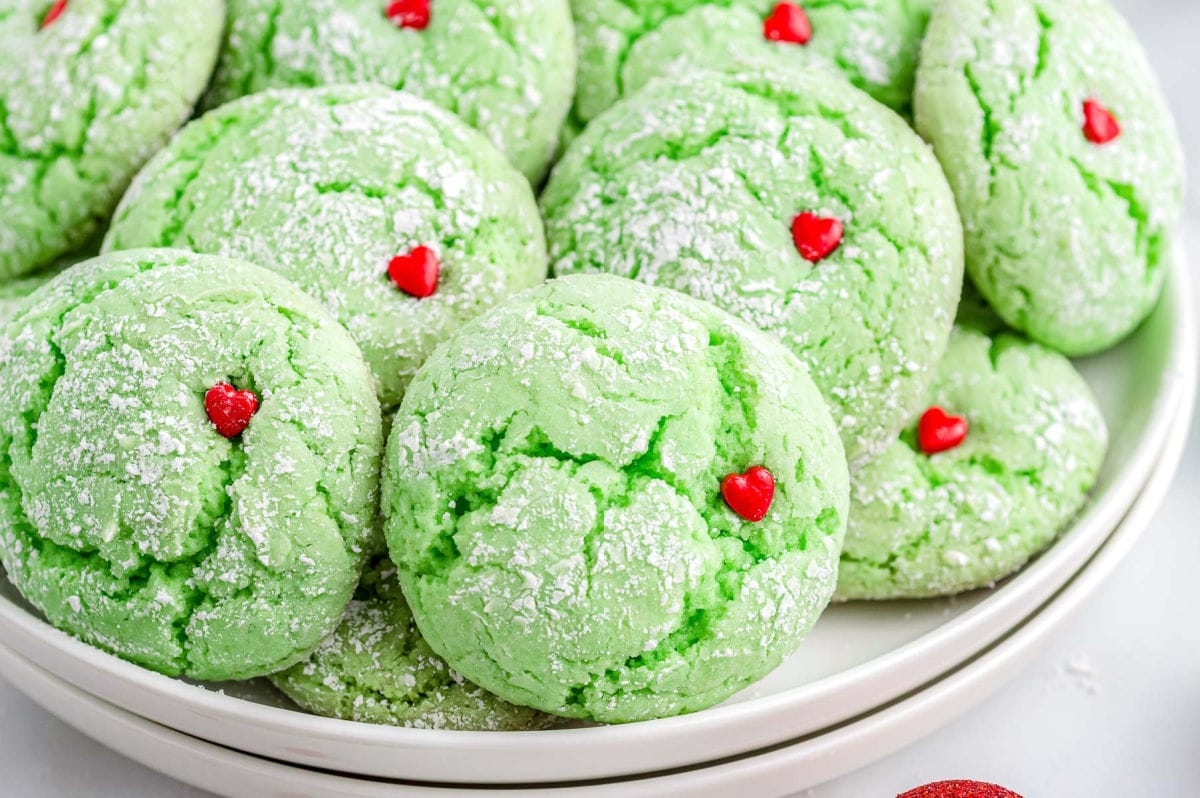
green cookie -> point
(554, 501)
(623, 44)
(88, 91)
(127, 519)
(935, 525)
(376, 668)
(694, 183)
(1067, 237)
(328, 187)
(506, 67)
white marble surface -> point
(1112, 708)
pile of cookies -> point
(317, 413)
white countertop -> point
(1112, 708)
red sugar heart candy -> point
(816, 237)
(229, 409)
(959, 789)
(939, 432)
(408, 13)
(749, 494)
(1099, 125)
(54, 13)
(787, 23)
(416, 273)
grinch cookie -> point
(376, 668)
(403, 221)
(189, 462)
(506, 67)
(89, 89)
(1005, 455)
(1058, 143)
(611, 501)
(623, 45)
(793, 201)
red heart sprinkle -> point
(816, 236)
(940, 432)
(229, 409)
(788, 23)
(959, 789)
(54, 13)
(416, 273)
(408, 13)
(1099, 125)
(749, 494)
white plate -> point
(783, 771)
(860, 656)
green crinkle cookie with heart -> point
(128, 520)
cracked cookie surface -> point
(326, 186)
(693, 184)
(84, 101)
(506, 67)
(376, 668)
(553, 501)
(938, 525)
(623, 44)
(127, 520)
(1067, 239)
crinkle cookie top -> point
(85, 99)
(553, 493)
(127, 519)
(328, 187)
(376, 668)
(625, 43)
(506, 67)
(694, 184)
(929, 525)
(1066, 237)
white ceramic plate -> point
(782, 771)
(860, 656)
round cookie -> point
(623, 45)
(935, 525)
(129, 518)
(88, 91)
(705, 184)
(506, 67)
(376, 668)
(556, 487)
(1068, 230)
(348, 191)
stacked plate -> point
(870, 679)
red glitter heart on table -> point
(1099, 125)
(229, 409)
(959, 789)
(408, 13)
(54, 13)
(416, 273)
(939, 431)
(787, 23)
(749, 494)
(816, 236)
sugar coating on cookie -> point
(1068, 231)
(623, 45)
(699, 183)
(348, 192)
(86, 96)
(553, 493)
(376, 668)
(506, 67)
(128, 520)
(934, 525)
